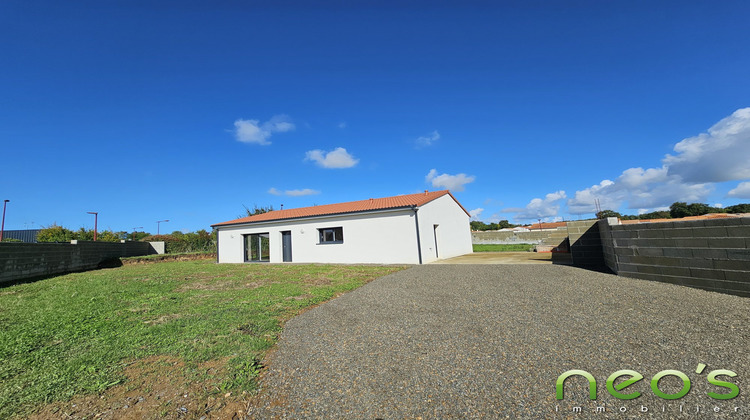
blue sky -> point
(180, 110)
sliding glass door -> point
(257, 247)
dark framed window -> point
(331, 235)
(257, 247)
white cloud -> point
(454, 183)
(252, 131)
(717, 156)
(476, 213)
(293, 193)
(425, 141)
(584, 201)
(342, 125)
(741, 191)
(637, 177)
(335, 159)
(298, 193)
(640, 190)
(546, 209)
(722, 154)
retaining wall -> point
(585, 244)
(20, 261)
(510, 237)
(706, 254)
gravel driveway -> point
(483, 341)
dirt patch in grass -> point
(316, 279)
(220, 285)
(157, 387)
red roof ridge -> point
(372, 204)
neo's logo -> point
(617, 390)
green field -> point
(74, 334)
(502, 247)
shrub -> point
(200, 241)
(55, 233)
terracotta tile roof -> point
(550, 225)
(399, 201)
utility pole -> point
(96, 221)
(2, 228)
(158, 232)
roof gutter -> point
(419, 243)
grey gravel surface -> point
(483, 341)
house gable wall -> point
(453, 232)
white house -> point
(406, 229)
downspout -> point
(419, 243)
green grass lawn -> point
(502, 247)
(73, 334)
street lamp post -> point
(2, 228)
(158, 226)
(96, 221)
(540, 225)
(135, 229)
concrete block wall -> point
(509, 237)
(707, 254)
(20, 261)
(585, 244)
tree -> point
(607, 213)
(477, 225)
(739, 208)
(481, 226)
(55, 233)
(256, 210)
(699, 209)
(655, 215)
(679, 209)
(110, 236)
(200, 241)
(137, 236)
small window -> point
(331, 235)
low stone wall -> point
(20, 261)
(706, 254)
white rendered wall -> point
(453, 231)
(387, 237)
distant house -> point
(406, 229)
(545, 226)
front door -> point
(435, 231)
(286, 245)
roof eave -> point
(317, 216)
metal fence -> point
(26, 235)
